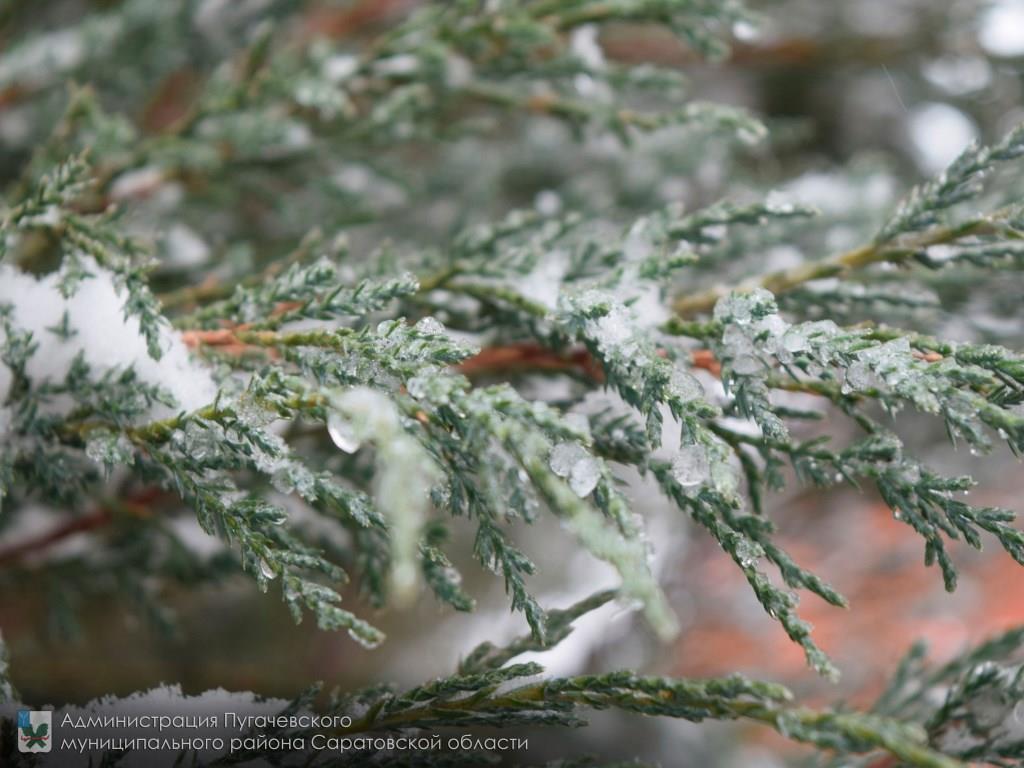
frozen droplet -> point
(615, 329)
(564, 457)
(859, 377)
(441, 495)
(745, 365)
(714, 232)
(578, 421)
(742, 307)
(430, 326)
(267, 570)
(795, 340)
(748, 553)
(368, 637)
(751, 133)
(281, 479)
(451, 575)
(773, 325)
(547, 203)
(777, 204)
(338, 68)
(571, 461)
(342, 434)
(737, 339)
(897, 348)
(417, 387)
(584, 476)
(690, 466)
(685, 386)
(399, 65)
(723, 478)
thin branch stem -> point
(54, 536)
(838, 265)
(83, 524)
(575, 692)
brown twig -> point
(530, 356)
(137, 504)
(224, 339)
(45, 540)
(340, 23)
(705, 358)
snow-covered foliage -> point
(297, 301)
(93, 327)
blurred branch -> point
(136, 503)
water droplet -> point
(342, 434)
(737, 339)
(751, 134)
(267, 570)
(714, 232)
(795, 340)
(281, 479)
(584, 476)
(859, 377)
(748, 553)
(746, 365)
(571, 461)
(773, 325)
(776, 204)
(690, 466)
(367, 637)
(417, 387)
(430, 325)
(911, 474)
(685, 386)
(741, 307)
(578, 421)
(564, 457)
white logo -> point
(35, 731)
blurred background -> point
(863, 98)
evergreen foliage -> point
(345, 410)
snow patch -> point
(101, 332)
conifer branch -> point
(291, 298)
